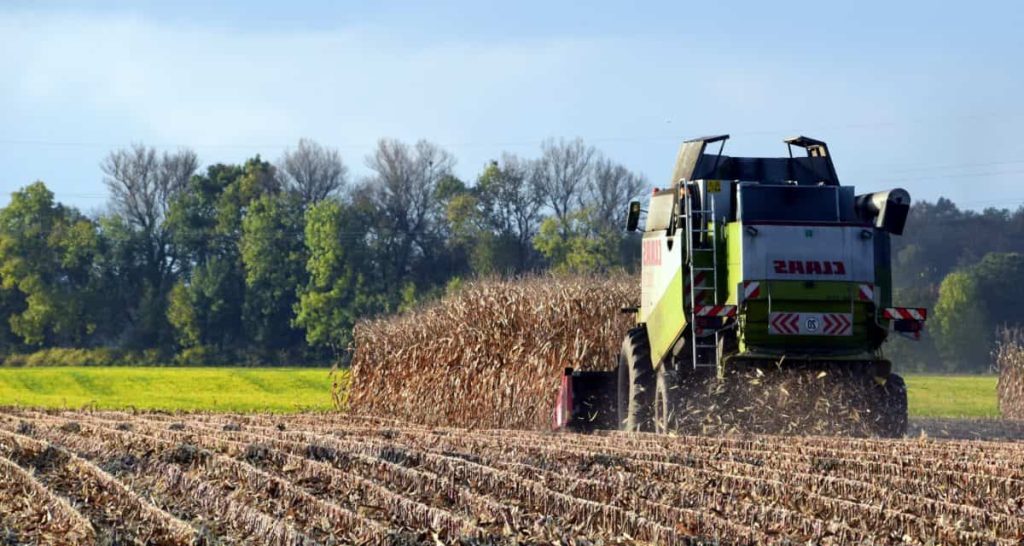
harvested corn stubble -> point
(344, 479)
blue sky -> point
(924, 95)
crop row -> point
(80, 478)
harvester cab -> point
(753, 263)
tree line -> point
(967, 268)
(273, 262)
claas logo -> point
(652, 252)
(809, 267)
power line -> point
(921, 168)
(956, 175)
(525, 142)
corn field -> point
(490, 355)
(124, 478)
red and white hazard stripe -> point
(905, 313)
(837, 324)
(714, 310)
(699, 282)
(785, 323)
(751, 289)
(866, 292)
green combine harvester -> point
(751, 267)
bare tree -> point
(142, 187)
(403, 191)
(313, 172)
(560, 178)
(509, 204)
(611, 188)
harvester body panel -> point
(663, 305)
(806, 287)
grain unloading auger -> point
(754, 267)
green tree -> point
(962, 329)
(973, 302)
(206, 224)
(1000, 286)
(12, 302)
(206, 310)
(46, 254)
(578, 243)
(337, 292)
(273, 254)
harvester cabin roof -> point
(695, 163)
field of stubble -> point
(148, 478)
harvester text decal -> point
(809, 267)
(652, 252)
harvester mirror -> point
(633, 217)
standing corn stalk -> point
(1009, 358)
(489, 355)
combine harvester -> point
(753, 266)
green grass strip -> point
(208, 389)
(953, 396)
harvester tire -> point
(636, 383)
(894, 407)
(666, 398)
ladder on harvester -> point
(702, 257)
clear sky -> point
(924, 95)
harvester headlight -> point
(752, 231)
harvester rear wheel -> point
(893, 422)
(666, 398)
(636, 383)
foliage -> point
(46, 253)
(973, 303)
(254, 262)
(960, 323)
(580, 243)
(66, 357)
(336, 292)
(1000, 290)
(273, 256)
